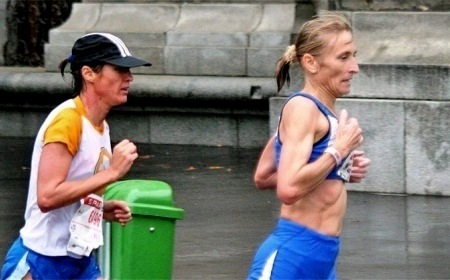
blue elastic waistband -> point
(299, 228)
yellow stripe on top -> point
(66, 127)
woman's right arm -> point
(53, 189)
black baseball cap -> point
(103, 47)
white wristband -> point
(337, 157)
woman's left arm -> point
(116, 211)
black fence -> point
(28, 23)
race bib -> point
(346, 168)
(86, 227)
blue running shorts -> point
(20, 260)
(293, 251)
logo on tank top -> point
(103, 163)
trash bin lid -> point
(156, 210)
(146, 197)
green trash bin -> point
(143, 249)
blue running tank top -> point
(341, 172)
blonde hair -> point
(311, 39)
(290, 55)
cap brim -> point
(128, 61)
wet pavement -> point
(226, 218)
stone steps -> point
(186, 39)
(245, 39)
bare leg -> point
(27, 276)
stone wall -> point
(185, 110)
(392, 5)
(408, 38)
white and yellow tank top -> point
(90, 146)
